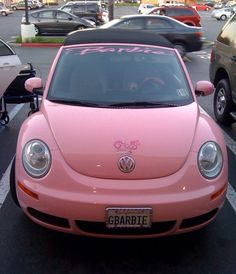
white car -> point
(38, 4)
(223, 14)
(145, 8)
(219, 5)
(5, 11)
(10, 66)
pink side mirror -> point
(204, 88)
(33, 83)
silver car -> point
(5, 11)
(10, 66)
(53, 21)
(223, 14)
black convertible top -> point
(116, 36)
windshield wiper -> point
(114, 105)
(144, 104)
(76, 103)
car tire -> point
(223, 102)
(223, 17)
(14, 8)
(3, 13)
(13, 184)
(37, 30)
(80, 27)
(181, 48)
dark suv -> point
(89, 10)
(223, 73)
(185, 15)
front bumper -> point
(74, 203)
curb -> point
(40, 45)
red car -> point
(186, 15)
(201, 7)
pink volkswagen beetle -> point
(119, 146)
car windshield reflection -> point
(120, 76)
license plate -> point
(128, 217)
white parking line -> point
(4, 185)
(231, 196)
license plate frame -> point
(128, 217)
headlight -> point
(36, 158)
(210, 160)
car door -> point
(45, 21)
(21, 5)
(185, 15)
(231, 29)
(160, 26)
(131, 23)
(10, 66)
(64, 22)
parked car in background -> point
(5, 11)
(145, 8)
(222, 73)
(131, 1)
(230, 3)
(223, 14)
(50, 2)
(210, 3)
(169, 3)
(21, 5)
(53, 21)
(200, 7)
(186, 15)
(88, 10)
(125, 181)
(185, 38)
(38, 4)
(10, 66)
(219, 5)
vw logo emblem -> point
(126, 164)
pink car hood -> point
(92, 140)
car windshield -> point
(118, 76)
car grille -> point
(100, 228)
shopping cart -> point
(17, 94)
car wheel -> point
(181, 48)
(3, 13)
(223, 102)
(37, 30)
(223, 17)
(13, 184)
(80, 27)
(14, 8)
